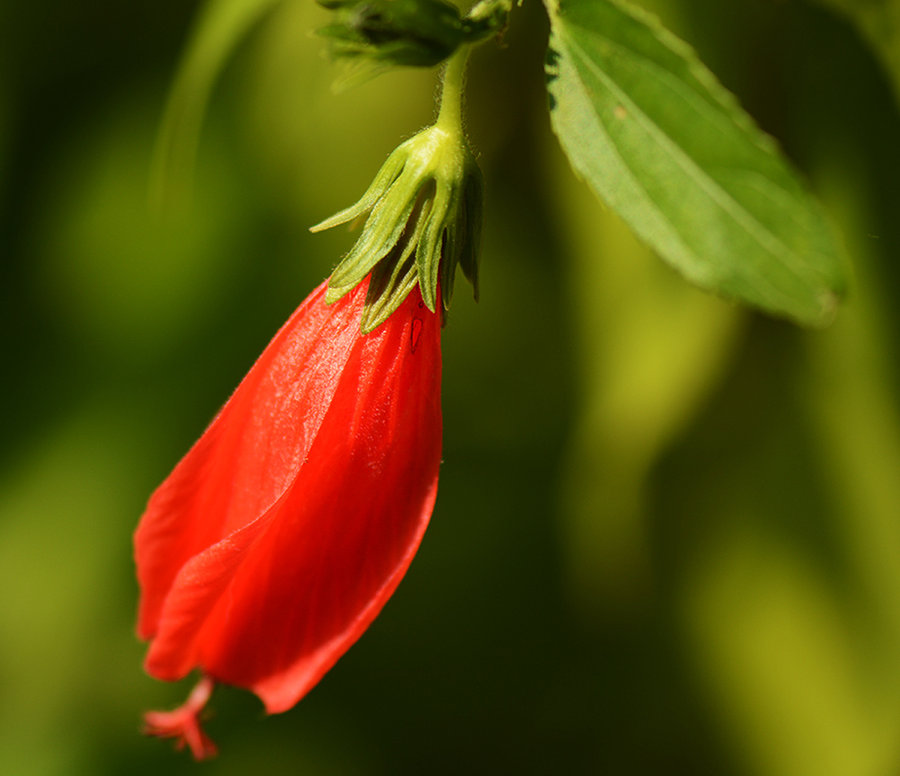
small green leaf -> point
(669, 149)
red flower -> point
(283, 532)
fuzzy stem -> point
(450, 114)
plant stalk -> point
(450, 114)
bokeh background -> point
(667, 539)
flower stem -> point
(450, 114)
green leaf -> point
(669, 149)
(219, 29)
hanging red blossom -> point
(282, 533)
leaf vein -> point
(767, 240)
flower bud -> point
(424, 218)
(417, 33)
(278, 538)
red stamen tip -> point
(183, 723)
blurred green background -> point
(667, 539)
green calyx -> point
(424, 219)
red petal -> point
(272, 601)
(251, 452)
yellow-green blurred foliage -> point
(668, 534)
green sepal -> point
(383, 230)
(428, 253)
(448, 267)
(473, 207)
(389, 286)
(424, 217)
(383, 180)
(462, 236)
